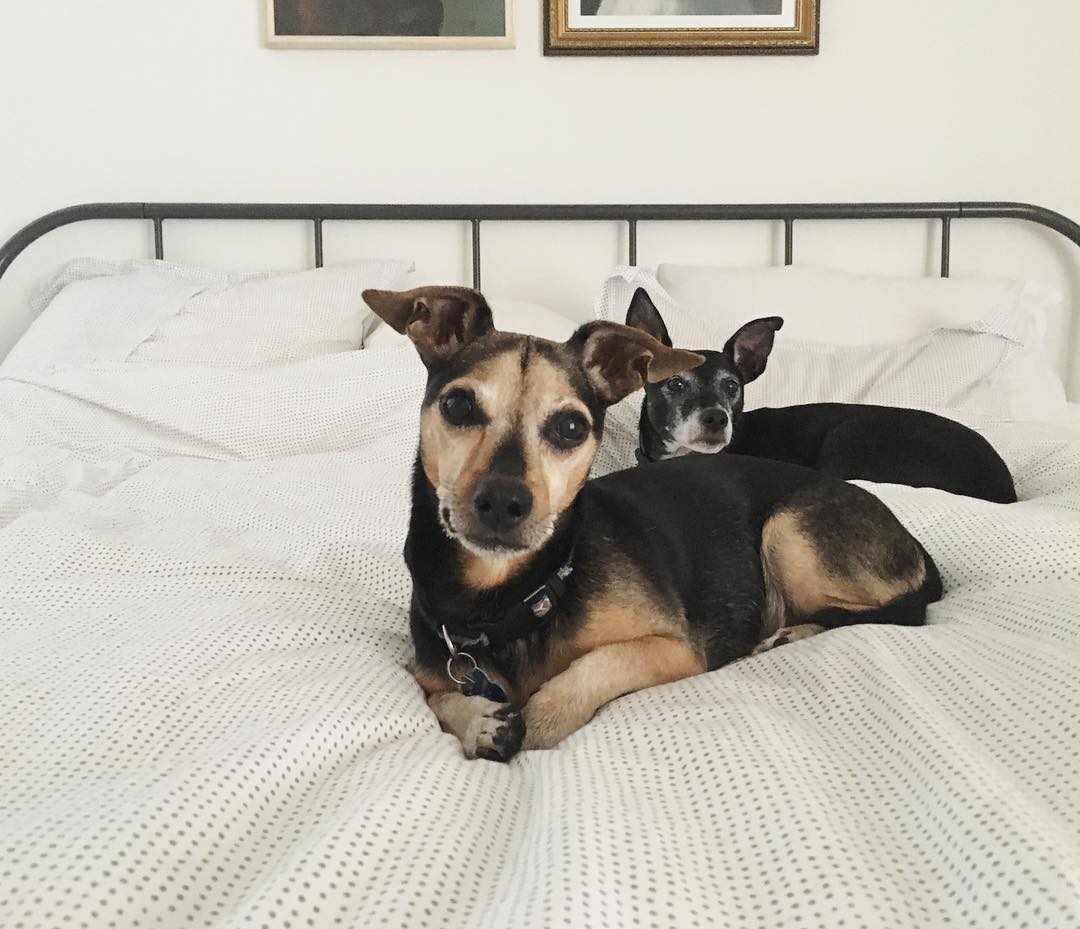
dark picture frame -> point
(388, 24)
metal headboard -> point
(631, 215)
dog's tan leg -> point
(484, 728)
(570, 699)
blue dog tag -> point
(478, 684)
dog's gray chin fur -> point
(707, 448)
(687, 437)
(672, 450)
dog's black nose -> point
(714, 418)
(502, 503)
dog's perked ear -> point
(751, 345)
(438, 320)
(619, 359)
(644, 315)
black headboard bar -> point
(946, 244)
(631, 214)
(318, 244)
(475, 223)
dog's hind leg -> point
(836, 555)
(909, 610)
(788, 634)
(775, 616)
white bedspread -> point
(205, 719)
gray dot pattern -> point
(205, 719)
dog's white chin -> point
(706, 448)
(689, 436)
(489, 550)
(701, 448)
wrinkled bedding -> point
(206, 720)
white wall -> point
(146, 99)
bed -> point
(207, 720)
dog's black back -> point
(702, 411)
(887, 445)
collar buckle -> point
(542, 600)
(539, 601)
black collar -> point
(642, 458)
(523, 618)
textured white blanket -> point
(205, 719)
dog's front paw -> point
(786, 635)
(496, 734)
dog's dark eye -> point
(676, 385)
(730, 385)
(567, 429)
(458, 407)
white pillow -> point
(95, 311)
(509, 316)
(826, 305)
(990, 367)
(1072, 416)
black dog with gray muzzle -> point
(702, 411)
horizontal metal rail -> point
(474, 214)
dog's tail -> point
(908, 609)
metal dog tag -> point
(472, 680)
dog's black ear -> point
(619, 359)
(644, 315)
(438, 320)
(750, 346)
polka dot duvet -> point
(205, 720)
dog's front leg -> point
(570, 699)
(484, 728)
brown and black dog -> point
(539, 595)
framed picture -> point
(389, 24)
(681, 27)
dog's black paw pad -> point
(503, 732)
(511, 734)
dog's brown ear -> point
(751, 345)
(438, 320)
(643, 314)
(619, 359)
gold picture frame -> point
(317, 12)
(677, 27)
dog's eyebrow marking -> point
(526, 353)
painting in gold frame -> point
(681, 27)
